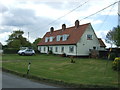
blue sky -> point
(33, 16)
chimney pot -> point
(77, 23)
(63, 27)
(51, 29)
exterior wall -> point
(66, 49)
(102, 48)
(84, 45)
(80, 49)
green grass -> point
(84, 71)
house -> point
(76, 40)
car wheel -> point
(22, 53)
(32, 54)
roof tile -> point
(74, 35)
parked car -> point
(26, 51)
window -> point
(46, 39)
(62, 49)
(44, 48)
(51, 48)
(56, 49)
(89, 37)
(71, 49)
(51, 39)
(39, 48)
(65, 37)
(58, 38)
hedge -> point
(10, 50)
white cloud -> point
(39, 13)
(4, 37)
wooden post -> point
(28, 68)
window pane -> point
(44, 48)
(71, 49)
(56, 49)
(89, 37)
(62, 49)
(46, 39)
(58, 38)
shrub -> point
(112, 56)
(50, 52)
(10, 50)
(116, 64)
(72, 59)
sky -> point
(37, 16)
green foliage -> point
(112, 56)
(50, 52)
(117, 36)
(10, 50)
(113, 36)
(35, 43)
(16, 40)
(116, 64)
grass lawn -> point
(84, 71)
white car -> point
(26, 52)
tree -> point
(35, 43)
(113, 36)
(117, 35)
(16, 40)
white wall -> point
(84, 45)
(66, 49)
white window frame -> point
(89, 37)
(46, 39)
(56, 49)
(44, 49)
(71, 49)
(51, 39)
(58, 37)
(65, 37)
(62, 49)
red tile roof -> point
(102, 44)
(74, 35)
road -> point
(13, 81)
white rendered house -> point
(76, 40)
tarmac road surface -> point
(13, 81)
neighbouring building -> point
(77, 40)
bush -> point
(72, 59)
(112, 56)
(116, 64)
(10, 50)
(50, 52)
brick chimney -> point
(63, 27)
(76, 23)
(51, 29)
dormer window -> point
(89, 37)
(65, 37)
(46, 39)
(51, 39)
(58, 38)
